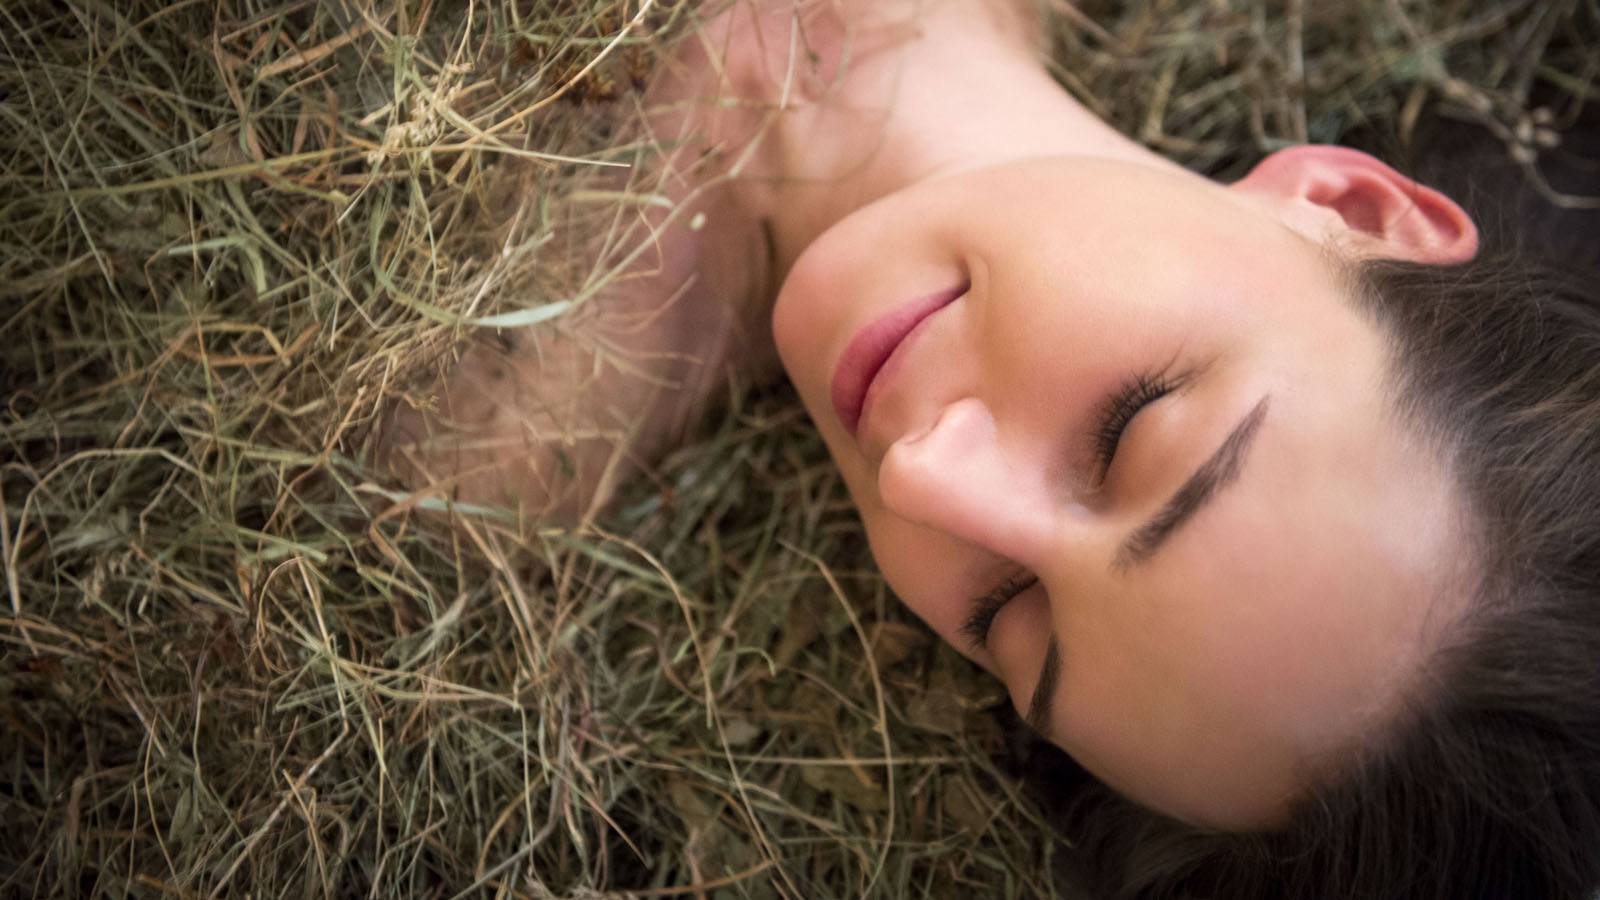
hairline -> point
(1444, 638)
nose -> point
(960, 477)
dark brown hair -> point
(1488, 785)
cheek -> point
(927, 572)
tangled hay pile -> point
(232, 232)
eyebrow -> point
(1044, 692)
(1221, 469)
(1218, 471)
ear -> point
(1363, 206)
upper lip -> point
(871, 349)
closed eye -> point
(985, 608)
(1120, 409)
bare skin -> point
(773, 148)
(1207, 663)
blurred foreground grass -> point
(230, 232)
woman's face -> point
(1143, 400)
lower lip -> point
(871, 349)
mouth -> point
(871, 350)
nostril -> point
(913, 438)
(925, 474)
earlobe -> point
(1363, 206)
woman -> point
(1267, 505)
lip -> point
(872, 349)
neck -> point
(931, 88)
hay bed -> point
(233, 231)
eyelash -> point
(1118, 412)
(985, 608)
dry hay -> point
(233, 231)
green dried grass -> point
(228, 667)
